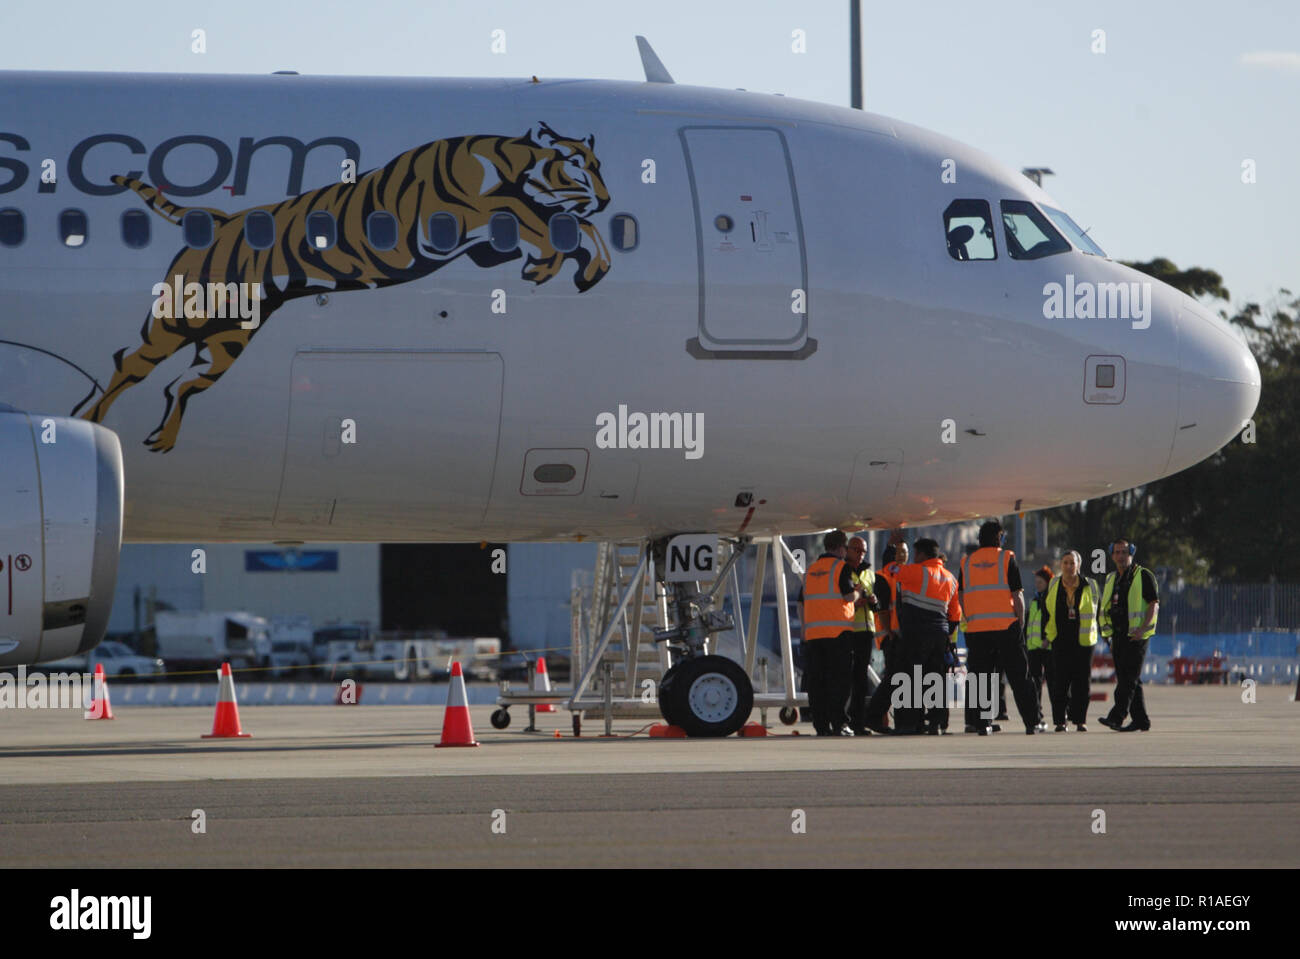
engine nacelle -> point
(60, 534)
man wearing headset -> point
(1130, 603)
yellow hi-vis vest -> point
(1087, 611)
(1137, 606)
(866, 581)
(1034, 625)
(825, 613)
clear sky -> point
(1147, 139)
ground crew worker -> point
(1041, 665)
(892, 560)
(994, 603)
(828, 606)
(1130, 604)
(1072, 604)
(863, 641)
(928, 614)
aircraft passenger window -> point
(381, 230)
(259, 229)
(968, 229)
(444, 232)
(320, 230)
(623, 231)
(196, 225)
(13, 228)
(135, 229)
(504, 232)
(1077, 236)
(1105, 376)
(564, 232)
(72, 228)
(1030, 235)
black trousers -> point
(920, 652)
(878, 704)
(828, 664)
(1004, 649)
(1072, 685)
(861, 646)
(1042, 667)
(1129, 656)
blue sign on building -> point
(291, 560)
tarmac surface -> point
(1215, 783)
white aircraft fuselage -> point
(787, 288)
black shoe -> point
(1080, 727)
(1134, 727)
(932, 731)
(879, 729)
(1030, 730)
(1003, 715)
(995, 728)
(861, 731)
(984, 730)
(844, 732)
(1110, 723)
(1060, 728)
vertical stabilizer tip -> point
(655, 72)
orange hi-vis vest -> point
(985, 594)
(888, 620)
(929, 587)
(825, 613)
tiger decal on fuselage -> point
(533, 177)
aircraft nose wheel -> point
(706, 696)
(788, 715)
(500, 718)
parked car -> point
(290, 659)
(120, 662)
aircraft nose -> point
(1218, 387)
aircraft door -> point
(749, 240)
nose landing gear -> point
(706, 696)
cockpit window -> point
(968, 229)
(1030, 236)
(1071, 230)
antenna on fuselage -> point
(1036, 173)
(655, 72)
(855, 54)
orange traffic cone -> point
(225, 723)
(456, 728)
(542, 684)
(100, 707)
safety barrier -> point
(293, 694)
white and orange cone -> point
(100, 707)
(456, 728)
(542, 684)
(225, 723)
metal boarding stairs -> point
(613, 624)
